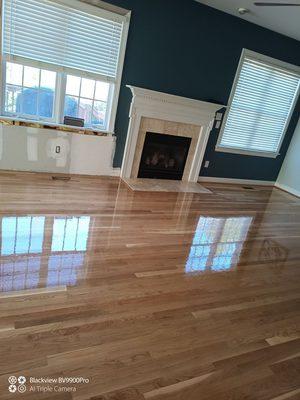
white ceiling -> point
(285, 20)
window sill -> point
(246, 152)
(50, 125)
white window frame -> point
(115, 84)
(271, 61)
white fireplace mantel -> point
(152, 104)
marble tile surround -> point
(167, 128)
(164, 185)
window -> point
(62, 58)
(260, 106)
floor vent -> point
(248, 187)
(61, 178)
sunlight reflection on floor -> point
(217, 243)
(42, 251)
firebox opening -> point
(164, 156)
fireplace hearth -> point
(164, 156)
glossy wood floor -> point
(149, 295)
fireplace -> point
(166, 115)
(164, 156)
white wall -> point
(33, 149)
(91, 156)
(289, 176)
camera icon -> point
(21, 388)
(21, 380)
(12, 388)
(12, 380)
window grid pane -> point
(29, 98)
(87, 105)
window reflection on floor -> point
(217, 243)
(70, 233)
(22, 235)
(27, 263)
(22, 273)
(64, 269)
(70, 236)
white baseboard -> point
(287, 189)
(235, 181)
(115, 172)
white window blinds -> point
(67, 34)
(259, 108)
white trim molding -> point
(167, 107)
(115, 171)
(287, 189)
(235, 181)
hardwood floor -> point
(148, 295)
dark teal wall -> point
(188, 49)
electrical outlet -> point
(218, 116)
(218, 124)
(57, 149)
(206, 164)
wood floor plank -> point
(288, 395)
(170, 296)
(177, 386)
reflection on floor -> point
(216, 246)
(25, 251)
(217, 243)
(70, 233)
(21, 235)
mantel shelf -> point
(154, 96)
